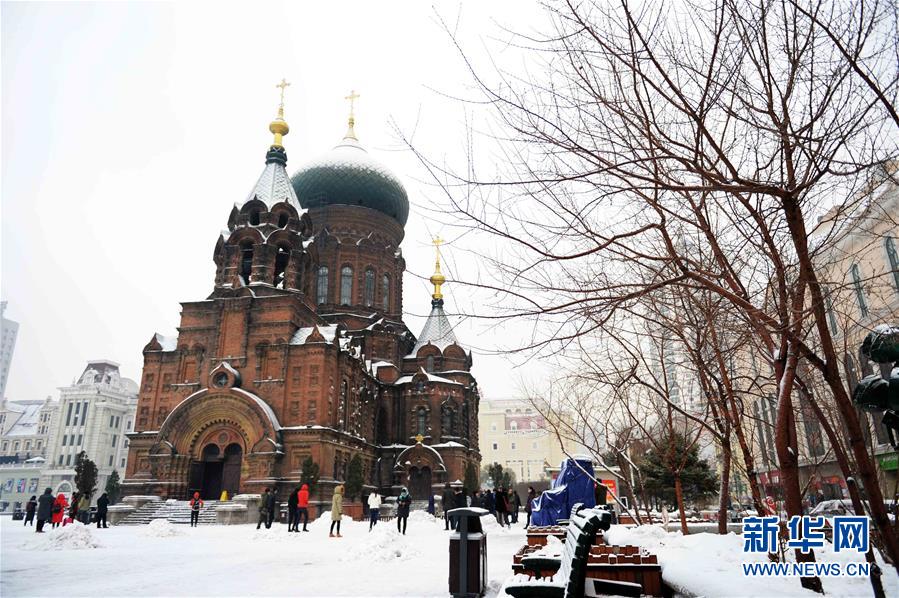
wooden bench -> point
(570, 569)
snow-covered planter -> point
(116, 513)
(231, 514)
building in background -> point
(8, 332)
(25, 429)
(93, 415)
(513, 434)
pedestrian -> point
(489, 503)
(84, 509)
(44, 509)
(263, 509)
(292, 500)
(303, 506)
(499, 505)
(448, 501)
(460, 500)
(515, 499)
(336, 511)
(431, 504)
(196, 503)
(374, 509)
(272, 509)
(30, 507)
(59, 509)
(403, 503)
(102, 507)
(529, 506)
(73, 510)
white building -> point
(25, 429)
(8, 332)
(93, 415)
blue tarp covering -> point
(571, 487)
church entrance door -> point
(207, 473)
(420, 483)
(231, 469)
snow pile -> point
(421, 517)
(382, 545)
(553, 547)
(74, 536)
(324, 521)
(161, 528)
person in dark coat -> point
(403, 503)
(30, 507)
(263, 509)
(499, 504)
(529, 505)
(102, 508)
(516, 504)
(44, 509)
(292, 519)
(489, 503)
(272, 507)
(449, 502)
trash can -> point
(468, 553)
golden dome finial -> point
(279, 127)
(437, 278)
(351, 131)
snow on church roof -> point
(431, 378)
(437, 330)
(300, 336)
(168, 343)
(274, 187)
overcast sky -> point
(130, 129)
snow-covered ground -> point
(162, 559)
(709, 564)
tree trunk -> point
(724, 492)
(788, 457)
(679, 495)
(854, 494)
(831, 374)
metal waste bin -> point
(468, 553)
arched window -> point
(283, 219)
(254, 217)
(429, 363)
(344, 410)
(513, 425)
(892, 259)
(369, 298)
(385, 292)
(321, 287)
(421, 418)
(448, 425)
(346, 285)
(859, 290)
(831, 316)
(246, 261)
(281, 259)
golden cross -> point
(419, 438)
(352, 98)
(283, 84)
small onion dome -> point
(348, 175)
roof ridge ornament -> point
(437, 278)
(279, 127)
(351, 122)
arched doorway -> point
(213, 465)
(231, 468)
(420, 483)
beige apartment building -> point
(513, 434)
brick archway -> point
(222, 418)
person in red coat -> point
(196, 503)
(59, 509)
(303, 506)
